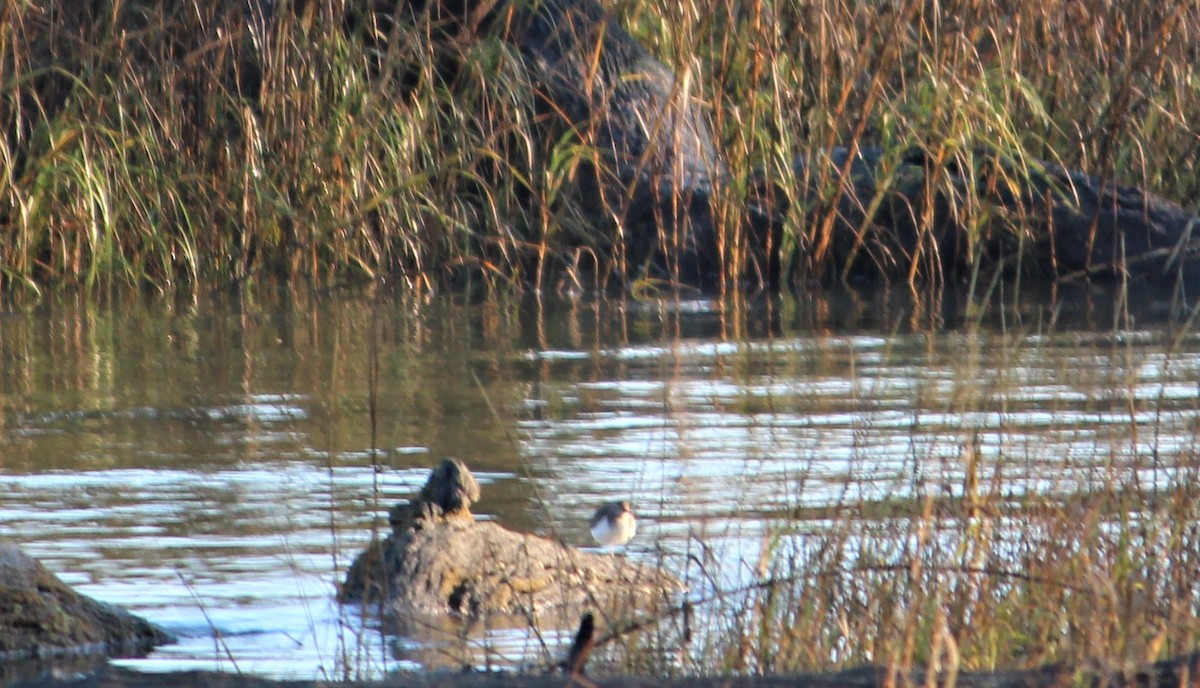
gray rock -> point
(40, 616)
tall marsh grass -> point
(976, 583)
(1044, 511)
(160, 144)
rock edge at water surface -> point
(440, 560)
(42, 617)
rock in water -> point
(40, 616)
(451, 488)
(439, 561)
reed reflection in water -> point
(215, 466)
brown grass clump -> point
(166, 144)
(952, 585)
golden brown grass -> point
(166, 144)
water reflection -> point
(214, 466)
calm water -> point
(210, 465)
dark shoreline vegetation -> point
(168, 144)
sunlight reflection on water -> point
(224, 503)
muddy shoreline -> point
(1178, 671)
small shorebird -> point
(614, 524)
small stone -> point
(451, 488)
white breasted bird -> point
(614, 524)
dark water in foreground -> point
(210, 465)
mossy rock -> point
(40, 616)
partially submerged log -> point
(440, 560)
(42, 617)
